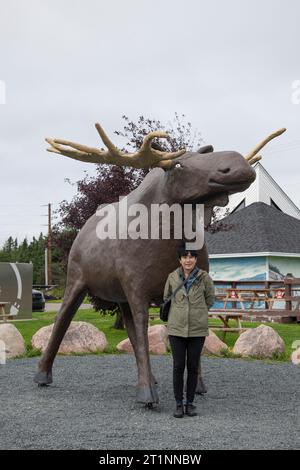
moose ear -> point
(205, 149)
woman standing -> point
(187, 324)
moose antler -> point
(252, 157)
(145, 157)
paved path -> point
(54, 307)
(91, 405)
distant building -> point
(262, 241)
(264, 189)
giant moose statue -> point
(133, 272)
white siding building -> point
(262, 239)
(264, 189)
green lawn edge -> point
(288, 332)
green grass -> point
(86, 300)
(288, 332)
(103, 323)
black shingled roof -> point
(256, 228)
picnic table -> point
(280, 294)
(247, 295)
(225, 316)
(235, 295)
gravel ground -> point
(91, 405)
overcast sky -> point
(66, 64)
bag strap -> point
(179, 287)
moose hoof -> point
(200, 389)
(147, 395)
(43, 378)
(154, 380)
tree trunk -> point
(119, 323)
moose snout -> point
(224, 170)
(231, 168)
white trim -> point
(287, 198)
(254, 191)
(248, 255)
(258, 180)
(267, 267)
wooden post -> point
(267, 286)
(288, 293)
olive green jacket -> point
(188, 315)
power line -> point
(26, 204)
(292, 145)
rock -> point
(295, 357)
(157, 337)
(262, 341)
(213, 344)
(81, 337)
(125, 346)
(13, 340)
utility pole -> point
(46, 267)
(48, 254)
(49, 246)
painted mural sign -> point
(282, 266)
(254, 268)
(238, 269)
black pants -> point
(185, 351)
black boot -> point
(190, 410)
(179, 412)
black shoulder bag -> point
(165, 306)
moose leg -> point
(130, 327)
(200, 389)
(146, 389)
(73, 298)
(127, 317)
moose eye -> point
(178, 165)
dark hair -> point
(182, 251)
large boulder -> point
(125, 346)
(213, 344)
(12, 340)
(157, 337)
(262, 341)
(295, 357)
(81, 337)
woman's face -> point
(188, 262)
